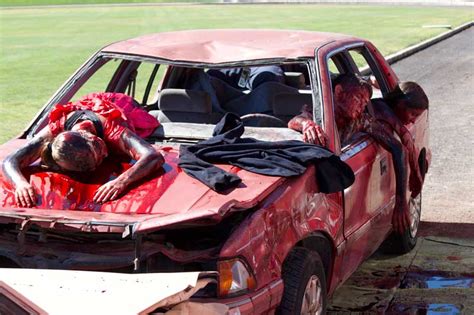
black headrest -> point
(181, 100)
(295, 79)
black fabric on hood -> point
(273, 158)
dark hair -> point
(47, 158)
(414, 95)
(351, 82)
(71, 147)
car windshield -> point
(188, 100)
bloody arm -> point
(416, 179)
(148, 160)
(304, 123)
(389, 117)
(24, 192)
(400, 219)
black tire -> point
(404, 243)
(299, 267)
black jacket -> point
(273, 158)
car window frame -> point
(96, 61)
(342, 54)
(91, 65)
(371, 68)
(334, 52)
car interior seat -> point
(259, 100)
(295, 79)
(288, 105)
(183, 105)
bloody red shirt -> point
(119, 110)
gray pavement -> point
(446, 71)
(436, 277)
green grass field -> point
(62, 2)
(41, 47)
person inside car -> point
(409, 103)
(248, 90)
(351, 96)
(78, 137)
(248, 78)
(400, 109)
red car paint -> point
(225, 46)
(344, 227)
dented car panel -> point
(170, 222)
(282, 222)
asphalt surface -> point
(445, 71)
(434, 278)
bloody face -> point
(98, 146)
(352, 103)
(407, 114)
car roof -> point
(225, 46)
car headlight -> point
(234, 277)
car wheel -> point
(304, 284)
(402, 244)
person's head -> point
(77, 151)
(351, 94)
(410, 102)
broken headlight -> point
(234, 277)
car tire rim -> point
(313, 297)
(415, 215)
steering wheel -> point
(264, 120)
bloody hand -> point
(416, 179)
(109, 191)
(25, 195)
(313, 133)
(401, 218)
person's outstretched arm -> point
(148, 160)
(416, 179)
(312, 133)
(400, 219)
(25, 195)
(385, 113)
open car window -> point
(364, 64)
(99, 81)
(195, 95)
(358, 60)
(338, 65)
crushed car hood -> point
(164, 198)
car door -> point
(383, 191)
(365, 202)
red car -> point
(271, 244)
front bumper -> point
(260, 301)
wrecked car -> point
(270, 244)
